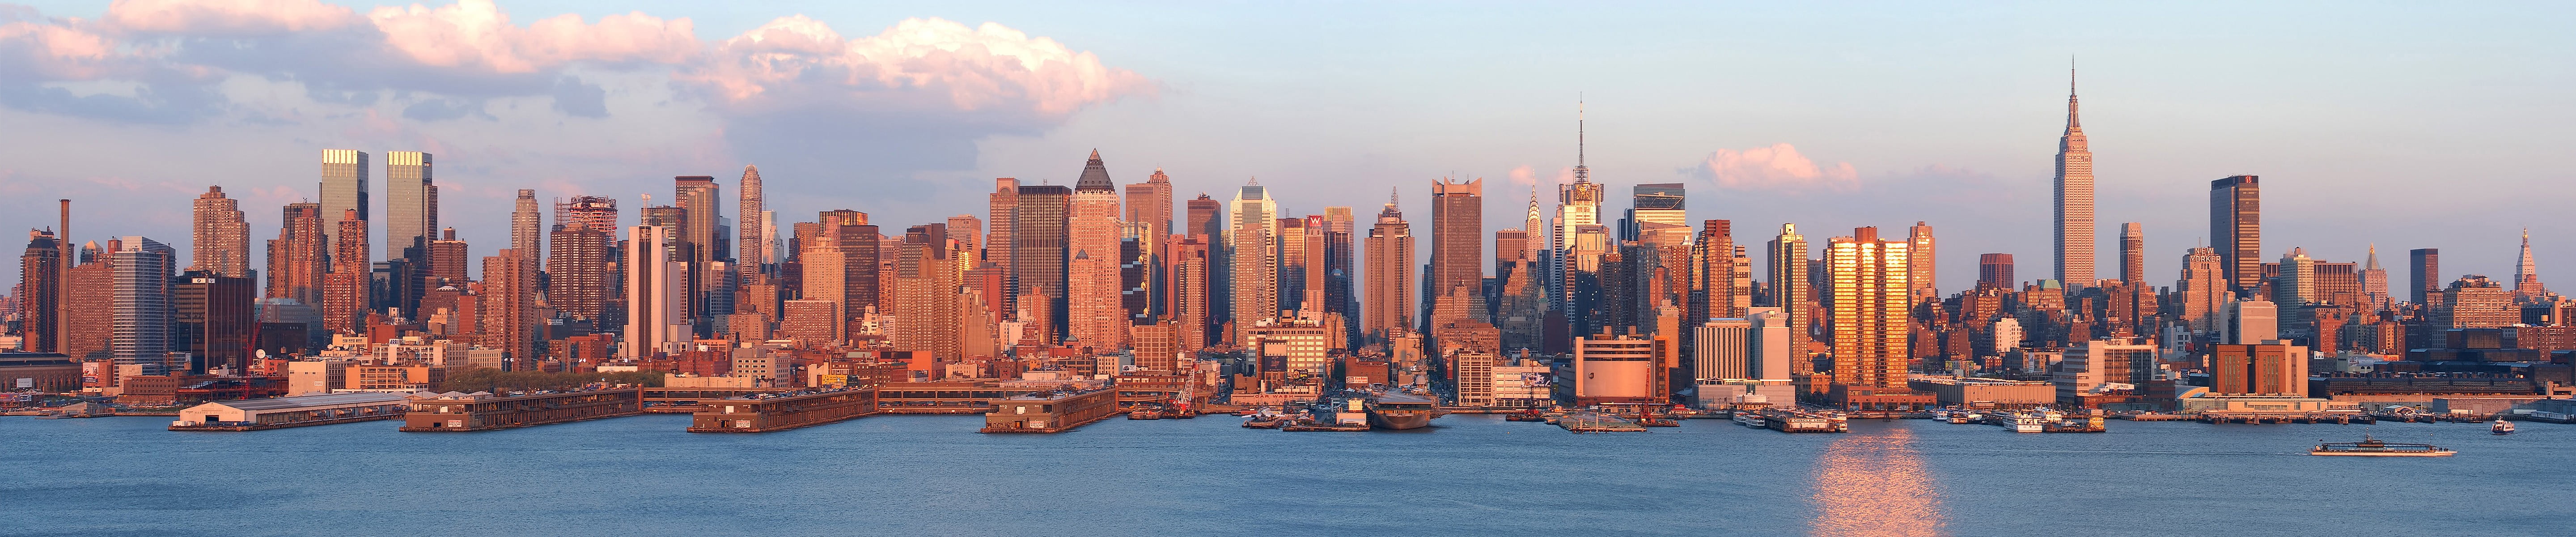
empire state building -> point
(2074, 200)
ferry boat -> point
(1940, 414)
(1751, 419)
(2373, 447)
(1959, 418)
(2500, 427)
(2023, 422)
(1400, 411)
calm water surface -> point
(1472, 475)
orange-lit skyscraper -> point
(1092, 309)
(1869, 309)
(296, 258)
(222, 238)
(1457, 245)
(2075, 233)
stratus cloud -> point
(1775, 168)
(795, 61)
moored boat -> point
(2373, 447)
(1398, 411)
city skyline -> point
(2153, 149)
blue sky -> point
(2407, 125)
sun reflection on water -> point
(1874, 485)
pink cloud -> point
(204, 18)
(58, 51)
(476, 34)
(1776, 168)
(796, 61)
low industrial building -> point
(1050, 412)
(1971, 392)
(297, 411)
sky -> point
(2405, 125)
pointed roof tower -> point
(1582, 173)
(1095, 177)
(2372, 262)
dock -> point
(483, 411)
(1590, 422)
(298, 411)
(778, 412)
(1050, 412)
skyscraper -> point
(925, 308)
(2133, 253)
(2203, 292)
(698, 197)
(1340, 294)
(2526, 276)
(755, 242)
(344, 289)
(1039, 232)
(654, 298)
(1713, 290)
(1092, 292)
(1002, 204)
(1995, 271)
(594, 212)
(1192, 309)
(577, 268)
(140, 333)
(448, 258)
(2236, 228)
(40, 286)
(2374, 280)
(1658, 203)
(344, 189)
(2074, 199)
(222, 238)
(1251, 241)
(508, 313)
(1869, 309)
(1786, 256)
(1918, 271)
(2424, 269)
(1150, 203)
(1390, 280)
(527, 226)
(213, 320)
(411, 206)
(297, 259)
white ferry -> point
(2023, 422)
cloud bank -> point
(921, 91)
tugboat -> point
(2373, 447)
(1526, 415)
(2500, 427)
(1147, 413)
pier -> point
(778, 412)
(480, 411)
(1050, 412)
(1590, 422)
(299, 411)
(691, 400)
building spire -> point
(2072, 124)
(2373, 261)
(1582, 174)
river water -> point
(1470, 476)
